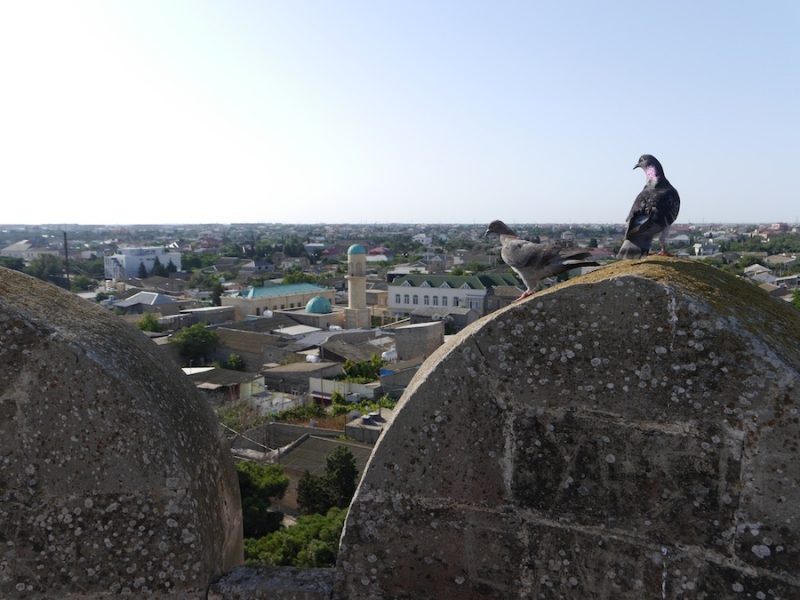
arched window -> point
(426, 300)
(416, 299)
(397, 298)
(405, 299)
(436, 300)
(444, 300)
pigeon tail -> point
(630, 251)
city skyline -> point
(208, 112)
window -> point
(397, 298)
(455, 302)
(426, 300)
(416, 299)
(436, 300)
(475, 303)
(444, 300)
(405, 299)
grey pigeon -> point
(654, 210)
(533, 262)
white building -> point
(406, 294)
(127, 260)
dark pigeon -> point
(654, 210)
(534, 262)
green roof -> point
(356, 249)
(276, 291)
(319, 306)
(475, 282)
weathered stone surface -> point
(273, 583)
(632, 434)
(112, 476)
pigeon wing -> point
(534, 262)
(653, 210)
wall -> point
(418, 340)
(630, 434)
(113, 478)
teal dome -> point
(319, 306)
(356, 249)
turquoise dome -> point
(319, 306)
(356, 249)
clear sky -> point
(424, 111)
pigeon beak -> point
(636, 167)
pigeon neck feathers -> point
(651, 173)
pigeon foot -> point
(524, 295)
(665, 253)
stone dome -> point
(114, 478)
(356, 249)
(632, 433)
(319, 306)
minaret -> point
(356, 315)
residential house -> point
(147, 302)
(26, 251)
(127, 261)
(759, 273)
(221, 386)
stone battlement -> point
(630, 434)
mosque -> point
(320, 312)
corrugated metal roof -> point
(311, 453)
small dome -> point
(356, 249)
(319, 306)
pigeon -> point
(533, 262)
(654, 210)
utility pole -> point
(66, 260)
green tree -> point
(476, 267)
(258, 486)
(312, 543)
(82, 283)
(312, 495)
(216, 293)
(195, 342)
(142, 273)
(796, 298)
(158, 269)
(458, 271)
(10, 262)
(149, 322)
(338, 399)
(171, 268)
(295, 275)
(334, 489)
(48, 267)
(341, 476)
(234, 362)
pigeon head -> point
(499, 228)
(650, 165)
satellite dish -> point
(436, 317)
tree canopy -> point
(149, 322)
(195, 342)
(259, 485)
(48, 267)
(334, 489)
